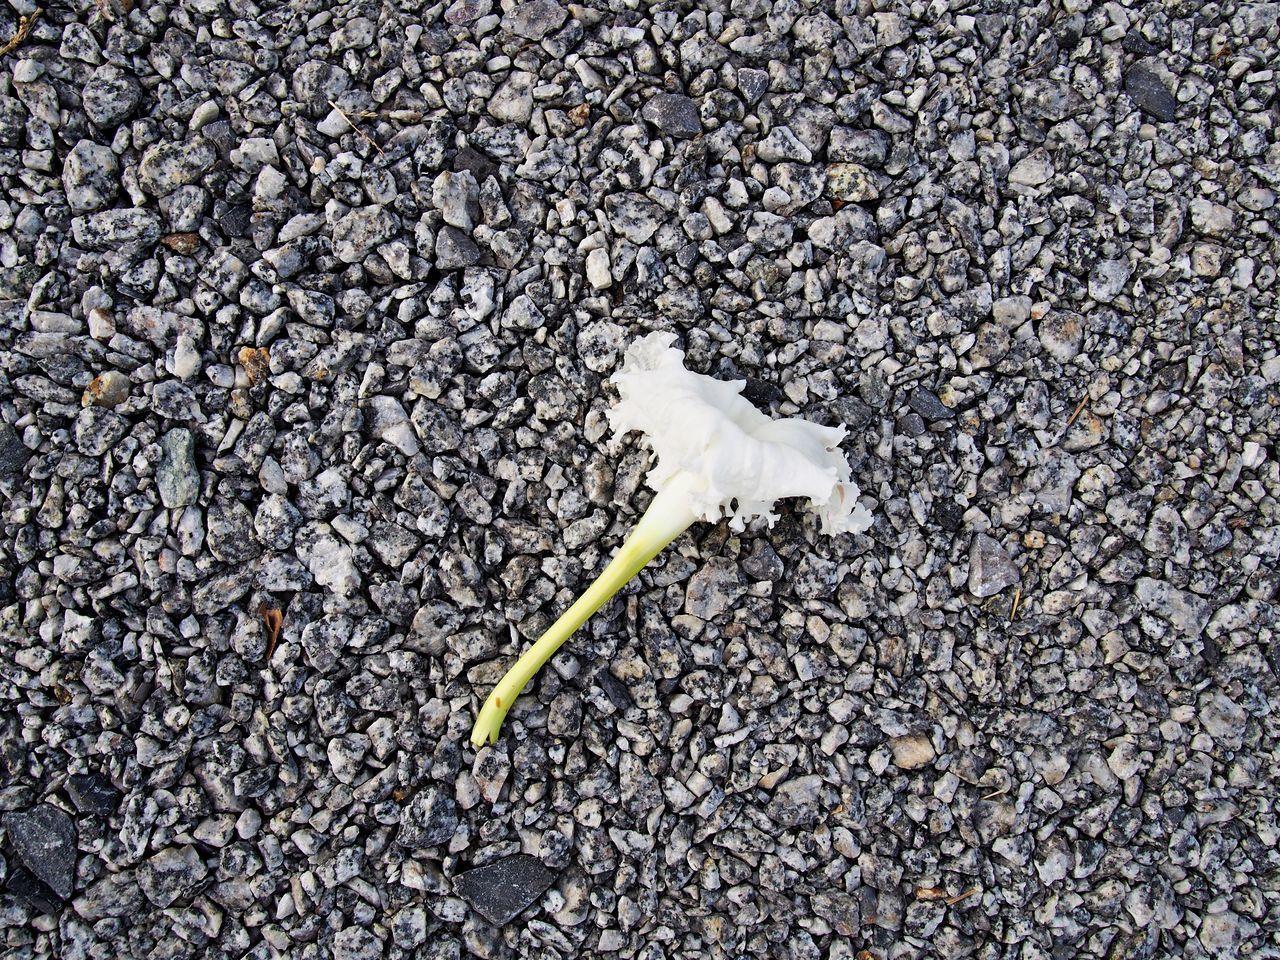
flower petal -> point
(744, 459)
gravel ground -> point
(306, 316)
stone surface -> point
(177, 476)
(92, 793)
(167, 166)
(1149, 92)
(358, 233)
(912, 751)
(990, 569)
(797, 802)
(171, 875)
(13, 452)
(500, 891)
(44, 838)
(90, 177)
(673, 114)
(307, 321)
(429, 820)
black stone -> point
(912, 424)
(1137, 44)
(1149, 92)
(762, 393)
(93, 793)
(481, 167)
(220, 134)
(499, 891)
(852, 412)
(45, 840)
(674, 115)
(22, 883)
(234, 221)
(13, 452)
(926, 403)
(615, 690)
(949, 514)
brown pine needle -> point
(1078, 410)
(952, 901)
(1013, 610)
(368, 139)
(25, 25)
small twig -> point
(952, 901)
(368, 139)
(1013, 610)
(1078, 410)
(996, 793)
(25, 25)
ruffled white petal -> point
(741, 460)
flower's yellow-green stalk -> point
(715, 455)
(668, 516)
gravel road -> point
(307, 312)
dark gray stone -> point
(674, 115)
(455, 250)
(499, 891)
(926, 403)
(93, 793)
(44, 838)
(1148, 91)
(13, 452)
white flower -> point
(741, 460)
(716, 454)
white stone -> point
(186, 362)
(513, 102)
(1211, 218)
(389, 422)
(598, 269)
(1032, 170)
(477, 293)
(102, 326)
(330, 562)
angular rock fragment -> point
(501, 890)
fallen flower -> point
(715, 454)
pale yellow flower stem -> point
(668, 516)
